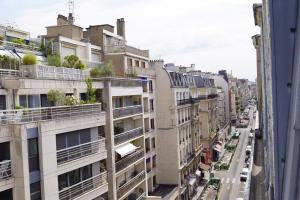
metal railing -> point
(128, 135)
(130, 184)
(51, 72)
(142, 196)
(79, 151)
(13, 45)
(83, 187)
(126, 83)
(183, 102)
(125, 162)
(9, 72)
(128, 110)
(141, 71)
(127, 49)
(48, 113)
(5, 169)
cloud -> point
(212, 34)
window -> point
(151, 105)
(2, 102)
(33, 155)
(74, 138)
(35, 191)
(152, 124)
(76, 176)
(143, 64)
(129, 62)
(30, 101)
(45, 102)
(83, 96)
(150, 86)
(153, 143)
(137, 63)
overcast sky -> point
(213, 34)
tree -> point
(73, 61)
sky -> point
(212, 34)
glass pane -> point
(72, 139)
(85, 136)
(34, 101)
(62, 181)
(74, 177)
(34, 164)
(2, 102)
(86, 172)
(32, 147)
(23, 101)
(60, 141)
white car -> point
(251, 135)
(244, 174)
(248, 150)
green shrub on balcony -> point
(1, 39)
(91, 91)
(7, 62)
(73, 61)
(54, 60)
(29, 59)
(18, 41)
(57, 97)
(103, 70)
(71, 100)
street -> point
(232, 188)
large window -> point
(35, 191)
(33, 155)
(74, 138)
(2, 102)
(30, 101)
(73, 177)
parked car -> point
(244, 174)
(248, 150)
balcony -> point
(141, 197)
(79, 151)
(51, 72)
(19, 116)
(132, 183)
(141, 71)
(126, 83)
(128, 135)
(5, 169)
(83, 187)
(183, 102)
(127, 111)
(125, 162)
(127, 49)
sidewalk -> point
(199, 191)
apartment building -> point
(86, 151)
(180, 137)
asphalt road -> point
(232, 188)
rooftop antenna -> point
(71, 6)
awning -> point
(198, 173)
(204, 166)
(126, 149)
(218, 146)
(192, 181)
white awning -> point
(192, 181)
(217, 149)
(126, 149)
(198, 173)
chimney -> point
(71, 18)
(121, 27)
(62, 20)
